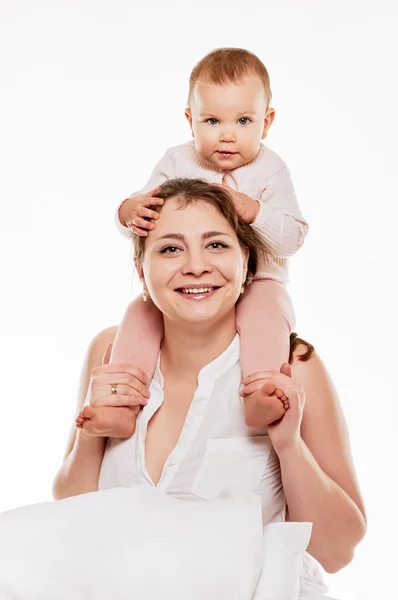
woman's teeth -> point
(196, 290)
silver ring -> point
(114, 388)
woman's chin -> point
(196, 311)
(201, 310)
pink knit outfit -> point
(265, 316)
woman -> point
(194, 435)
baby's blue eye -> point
(245, 119)
(212, 121)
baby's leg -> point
(139, 336)
(265, 319)
(137, 342)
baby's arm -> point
(279, 219)
(163, 171)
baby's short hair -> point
(229, 65)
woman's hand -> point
(113, 414)
(284, 433)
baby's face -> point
(229, 121)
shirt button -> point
(171, 462)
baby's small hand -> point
(246, 207)
(136, 213)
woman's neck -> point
(186, 350)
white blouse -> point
(216, 450)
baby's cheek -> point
(205, 145)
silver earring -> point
(144, 296)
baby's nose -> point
(227, 136)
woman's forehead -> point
(194, 218)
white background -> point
(92, 93)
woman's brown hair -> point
(295, 342)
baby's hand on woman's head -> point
(136, 213)
(246, 207)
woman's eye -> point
(244, 120)
(212, 121)
(169, 250)
(217, 246)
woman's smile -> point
(197, 292)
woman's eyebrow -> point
(180, 236)
(210, 234)
(177, 236)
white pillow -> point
(127, 543)
(283, 547)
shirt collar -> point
(223, 362)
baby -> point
(229, 115)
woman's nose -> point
(196, 263)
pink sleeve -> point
(279, 220)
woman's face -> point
(193, 264)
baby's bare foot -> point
(265, 406)
(80, 420)
(108, 421)
(283, 398)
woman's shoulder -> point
(105, 335)
(305, 361)
(100, 343)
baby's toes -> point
(279, 394)
(89, 412)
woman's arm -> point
(318, 474)
(80, 470)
